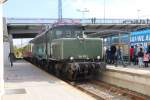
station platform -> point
(130, 77)
(25, 81)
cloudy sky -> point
(48, 8)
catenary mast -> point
(59, 10)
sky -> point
(117, 9)
(48, 8)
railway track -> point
(104, 91)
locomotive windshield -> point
(69, 32)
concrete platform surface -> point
(24, 81)
(131, 70)
(132, 78)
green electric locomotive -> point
(67, 52)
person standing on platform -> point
(11, 58)
(113, 52)
(135, 55)
(94, 20)
(146, 59)
(140, 57)
(132, 54)
(120, 56)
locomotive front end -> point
(83, 56)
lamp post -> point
(138, 13)
(85, 10)
(60, 10)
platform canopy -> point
(111, 29)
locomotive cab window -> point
(59, 34)
(67, 34)
(77, 33)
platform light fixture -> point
(138, 13)
(85, 10)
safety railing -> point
(82, 21)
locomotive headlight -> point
(87, 58)
(71, 58)
(98, 57)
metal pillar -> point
(6, 43)
(2, 28)
(129, 36)
(119, 37)
(104, 10)
(60, 10)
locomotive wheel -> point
(40, 64)
(70, 74)
(58, 68)
(46, 66)
(49, 66)
(71, 71)
(52, 68)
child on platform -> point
(146, 59)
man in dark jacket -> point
(11, 58)
(113, 51)
(140, 57)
